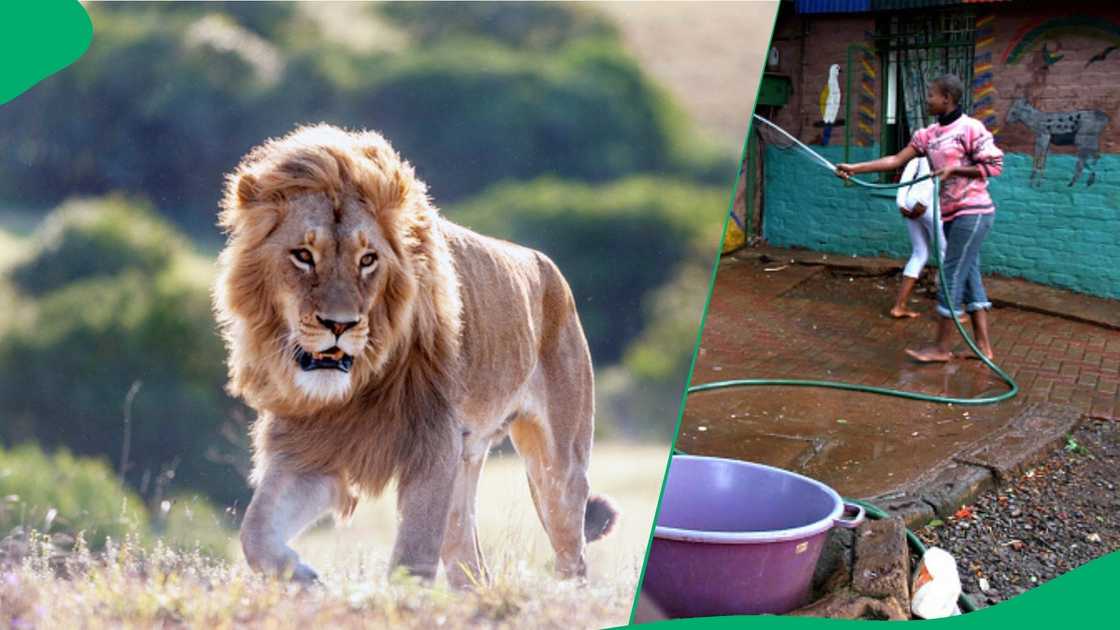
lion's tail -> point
(599, 518)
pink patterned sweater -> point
(963, 142)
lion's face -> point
(320, 282)
(328, 271)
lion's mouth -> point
(330, 359)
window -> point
(914, 48)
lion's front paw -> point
(304, 574)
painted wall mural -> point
(865, 131)
(1032, 32)
(1081, 129)
(1038, 42)
(983, 89)
(1101, 56)
(830, 102)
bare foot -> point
(931, 354)
(987, 352)
(899, 312)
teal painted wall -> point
(1053, 234)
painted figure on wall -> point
(1081, 129)
(830, 102)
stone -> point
(956, 485)
(834, 568)
(1033, 432)
(882, 561)
(913, 511)
(846, 604)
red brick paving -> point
(813, 322)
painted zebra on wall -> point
(1080, 128)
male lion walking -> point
(377, 340)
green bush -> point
(542, 26)
(173, 96)
(268, 19)
(614, 243)
(63, 493)
(164, 114)
(641, 396)
(67, 364)
(97, 237)
(191, 522)
(471, 113)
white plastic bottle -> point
(937, 586)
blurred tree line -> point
(528, 121)
(170, 96)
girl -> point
(914, 202)
(963, 155)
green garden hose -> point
(852, 387)
(875, 512)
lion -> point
(379, 341)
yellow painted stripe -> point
(984, 42)
(984, 21)
(867, 110)
(982, 68)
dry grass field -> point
(130, 586)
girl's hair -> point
(951, 86)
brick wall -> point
(1046, 231)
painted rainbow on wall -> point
(1033, 31)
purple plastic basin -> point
(737, 538)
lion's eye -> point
(304, 256)
(367, 260)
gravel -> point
(1053, 518)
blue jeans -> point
(964, 236)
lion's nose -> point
(335, 326)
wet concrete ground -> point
(796, 321)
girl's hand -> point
(845, 171)
(945, 173)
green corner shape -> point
(37, 39)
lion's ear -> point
(247, 189)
